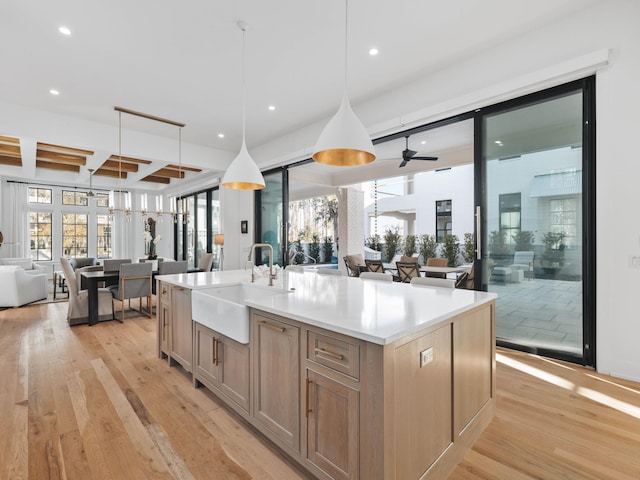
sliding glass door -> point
(270, 217)
(535, 174)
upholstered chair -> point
(329, 271)
(78, 311)
(436, 262)
(206, 262)
(170, 268)
(379, 276)
(433, 282)
(135, 282)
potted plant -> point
(327, 250)
(451, 249)
(469, 248)
(314, 248)
(553, 255)
(391, 241)
(523, 241)
(410, 245)
(427, 247)
(498, 248)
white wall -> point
(557, 53)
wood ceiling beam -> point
(57, 166)
(169, 173)
(184, 169)
(60, 158)
(115, 165)
(12, 140)
(155, 179)
(61, 149)
(10, 160)
(11, 150)
(129, 159)
(110, 173)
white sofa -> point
(20, 287)
(27, 264)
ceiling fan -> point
(410, 155)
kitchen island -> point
(351, 378)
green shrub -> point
(428, 246)
(451, 249)
(391, 241)
(327, 250)
(469, 249)
(410, 245)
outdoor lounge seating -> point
(355, 264)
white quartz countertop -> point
(377, 312)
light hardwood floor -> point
(95, 403)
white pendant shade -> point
(344, 140)
(243, 173)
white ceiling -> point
(182, 60)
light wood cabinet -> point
(181, 340)
(332, 414)
(276, 378)
(163, 311)
(175, 331)
(222, 365)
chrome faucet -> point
(252, 249)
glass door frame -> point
(587, 86)
(284, 170)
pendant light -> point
(90, 192)
(243, 173)
(344, 141)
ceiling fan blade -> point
(408, 154)
(433, 159)
(404, 162)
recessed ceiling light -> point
(498, 142)
(53, 91)
(373, 51)
(423, 142)
(64, 30)
(272, 107)
(221, 135)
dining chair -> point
(78, 310)
(407, 271)
(169, 268)
(206, 262)
(329, 271)
(92, 268)
(374, 266)
(135, 282)
(466, 280)
(433, 282)
(354, 263)
(379, 276)
(436, 262)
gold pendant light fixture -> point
(243, 173)
(344, 141)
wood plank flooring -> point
(95, 403)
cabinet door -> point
(205, 364)
(332, 419)
(233, 358)
(277, 378)
(181, 327)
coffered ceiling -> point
(182, 61)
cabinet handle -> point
(272, 327)
(307, 409)
(213, 351)
(329, 354)
(216, 348)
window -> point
(40, 235)
(75, 198)
(102, 200)
(564, 218)
(74, 234)
(443, 219)
(510, 214)
(39, 195)
(104, 236)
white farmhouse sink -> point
(224, 308)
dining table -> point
(93, 279)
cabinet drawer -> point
(337, 354)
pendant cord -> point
(346, 42)
(243, 89)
